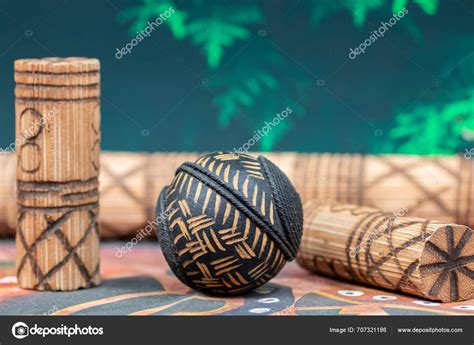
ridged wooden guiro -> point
(58, 147)
(438, 187)
(231, 222)
(428, 258)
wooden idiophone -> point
(58, 147)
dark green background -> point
(158, 98)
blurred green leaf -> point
(221, 28)
(243, 81)
(444, 124)
(430, 7)
(261, 82)
(359, 9)
(398, 5)
(434, 129)
(255, 88)
(150, 10)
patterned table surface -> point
(140, 283)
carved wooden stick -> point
(431, 259)
(57, 137)
(433, 187)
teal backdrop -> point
(212, 74)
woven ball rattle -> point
(231, 222)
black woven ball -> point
(231, 222)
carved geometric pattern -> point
(55, 219)
(385, 254)
(369, 226)
(426, 195)
(119, 181)
(29, 148)
(121, 185)
(438, 187)
(450, 261)
(220, 248)
(58, 127)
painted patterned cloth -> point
(140, 283)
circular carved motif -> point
(29, 158)
(31, 123)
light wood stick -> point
(58, 146)
(431, 259)
(439, 187)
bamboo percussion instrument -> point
(431, 187)
(58, 144)
(431, 259)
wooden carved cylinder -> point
(58, 147)
(438, 187)
(431, 259)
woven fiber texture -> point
(231, 222)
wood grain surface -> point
(431, 187)
(58, 147)
(423, 257)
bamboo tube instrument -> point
(58, 138)
(439, 187)
(431, 259)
